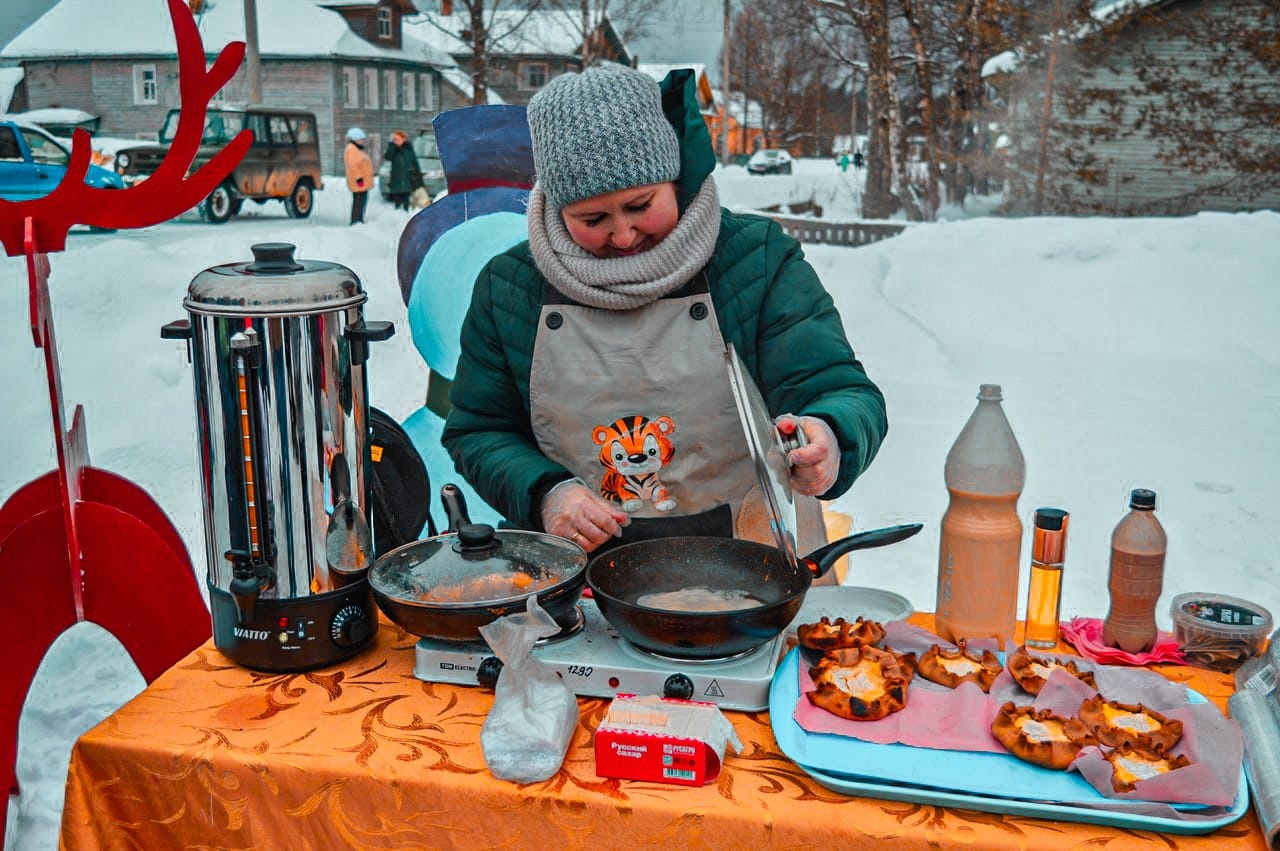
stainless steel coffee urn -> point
(279, 348)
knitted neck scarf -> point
(623, 283)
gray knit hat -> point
(600, 131)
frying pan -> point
(619, 577)
(403, 579)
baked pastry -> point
(859, 683)
(1039, 737)
(839, 634)
(1115, 724)
(950, 668)
(1130, 764)
(1032, 672)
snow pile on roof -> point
(659, 71)
(286, 28)
(754, 113)
(57, 115)
(461, 80)
(1101, 15)
(547, 33)
(9, 80)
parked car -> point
(428, 163)
(769, 161)
(33, 162)
(282, 163)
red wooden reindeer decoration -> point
(81, 543)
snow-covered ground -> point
(1132, 352)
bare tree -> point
(585, 19)
(478, 27)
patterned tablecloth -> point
(362, 755)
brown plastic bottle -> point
(1137, 576)
(981, 545)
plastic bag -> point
(527, 732)
(419, 198)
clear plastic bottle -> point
(1137, 576)
(981, 546)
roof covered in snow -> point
(754, 114)
(1101, 15)
(543, 33)
(286, 28)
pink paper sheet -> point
(960, 719)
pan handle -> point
(821, 559)
(455, 507)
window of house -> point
(350, 87)
(410, 90)
(384, 22)
(389, 83)
(533, 75)
(371, 88)
(428, 93)
(144, 84)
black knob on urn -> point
(487, 673)
(350, 626)
(678, 686)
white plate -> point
(850, 602)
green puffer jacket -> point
(769, 304)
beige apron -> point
(637, 404)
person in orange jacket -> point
(359, 172)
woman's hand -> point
(815, 465)
(572, 511)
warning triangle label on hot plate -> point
(714, 690)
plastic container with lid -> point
(1218, 631)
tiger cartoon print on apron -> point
(637, 404)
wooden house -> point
(348, 61)
(745, 118)
(526, 50)
(1158, 107)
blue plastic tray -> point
(992, 781)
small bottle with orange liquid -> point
(1044, 594)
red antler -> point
(166, 193)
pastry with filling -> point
(859, 683)
(838, 634)
(1130, 764)
(1115, 724)
(1032, 672)
(908, 661)
(950, 668)
(1039, 737)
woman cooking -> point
(591, 398)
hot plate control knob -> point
(350, 626)
(678, 686)
(487, 672)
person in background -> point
(591, 398)
(406, 176)
(359, 170)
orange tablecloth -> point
(362, 755)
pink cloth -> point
(1085, 635)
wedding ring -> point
(576, 536)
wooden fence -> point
(838, 233)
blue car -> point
(32, 163)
